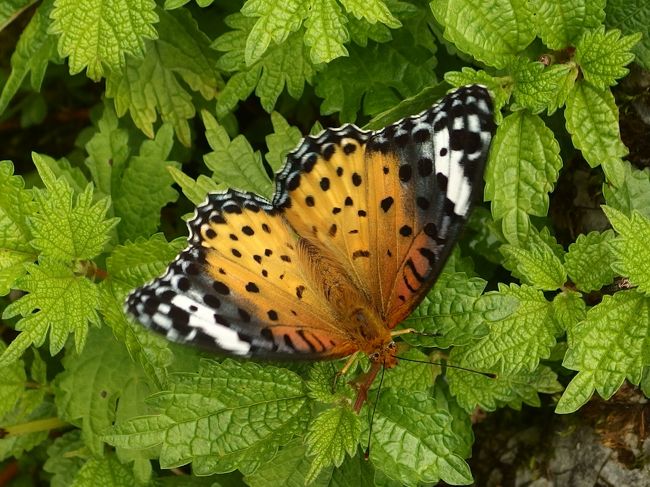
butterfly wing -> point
(390, 204)
(239, 287)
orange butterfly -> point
(360, 226)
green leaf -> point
(475, 390)
(195, 191)
(34, 406)
(560, 24)
(241, 413)
(58, 300)
(234, 162)
(16, 207)
(104, 472)
(145, 175)
(286, 64)
(331, 434)
(325, 31)
(426, 449)
(517, 341)
(608, 347)
(374, 78)
(10, 9)
(410, 376)
(64, 229)
(592, 120)
(97, 37)
(492, 32)
(34, 51)
(449, 311)
(632, 17)
(355, 471)
(372, 11)
(275, 21)
(633, 194)
(523, 166)
(284, 138)
(535, 263)
(589, 261)
(469, 76)
(539, 87)
(602, 56)
(569, 309)
(152, 85)
(99, 385)
(631, 251)
(12, 383)
(61, 461)
(288, 468)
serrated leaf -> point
(331, 434)
(283, 139)
(58, 301)
(448, 310)
(372, 11)
(411, 376)
(609, 346)
(424, 451)
(631, 251)
(12, 383)
(539, 87)
(560, 24)
(241, 411)
(33, 53)
(569, 309)
(325, 31)
(288, 468)
(589, 261)
(104, 472)
(535, 263)
(64, 227)
(633, 194)
(371, 78)
(275, 21)
(602, 56)
(523, 166)
(97, 37)
(518, 341)
(16, 207)
(59, 463)
(475, 390)
(152, 85)
(96, 384)
(234, 162)
(592, 120)
(287, 64)
(195, 191)
(492, 32)
(632, 17)
(145, 174)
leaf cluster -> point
(79, 232)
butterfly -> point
(359, 227)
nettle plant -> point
(91, 394)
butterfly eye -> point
(374, 357)
(392, 346)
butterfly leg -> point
(352, 360)
(405, 331)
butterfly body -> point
(360, 226)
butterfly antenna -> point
(366, 454)
(489, 375)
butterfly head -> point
(385, 355)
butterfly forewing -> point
(360, 220)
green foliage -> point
(79, 232)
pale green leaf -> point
(97, 35)
(561, 23)
(104, 472)
(57, 300)
(602, 56)
(154, 84)
(12, 383)
(592, 120)
(34, 51)
(632, 17)
(492, 32)
(331, 434)
(325, 31)
(608, 347)
(284, 138)
(535, 263)
(589, 261)
(539, 87)
(234, 162)
(61, 461)
(195, 191)
(372, 11)
(631, 251)
(633, 194)
(569, 309)
(523, 166)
